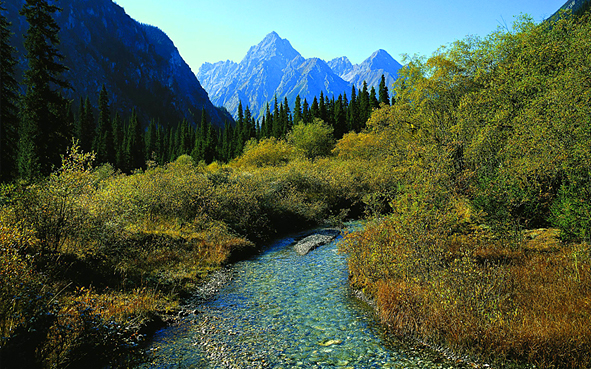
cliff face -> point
(138, 63)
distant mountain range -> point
(273, 68)
(138, 63)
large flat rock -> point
(315, 240)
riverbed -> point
(283, 310)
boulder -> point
(315, 240)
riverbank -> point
(282, 309)
(505, 305)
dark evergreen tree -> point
(249, 125)
(277, 126)
(315, 110)
(117, 131)
(364, 107)
(8, 103)
(134, 145)
(373, 100)
(383, 92)
(340, 118)
(297, 110)
(103, 137)
(306, 113)
(322, 111)
(86, 127)
(44, 131)
(151, 142)
(268, 131)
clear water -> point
(283, 310)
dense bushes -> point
(489, 142)
(90, 255)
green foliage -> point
(313, 139)
(8, 103)
(44, 130)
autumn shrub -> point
(93, 329)
(312, 139)
(267, 152)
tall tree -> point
(8, 103)
(373, 99)
(134, 145)
(306, 114)
(44, 131)
(86, 126)
(297, 110)
(103, 138)
(384, 97)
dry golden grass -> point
(530, 303)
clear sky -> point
(214, 30)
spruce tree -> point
(364, 107)
(268, 131)
(277, 127)
(340, 119)
(117, 134)
(134, 145)
(150, 141)
(8, 103)
(373, 99)
(315, 110)
(103, 137)
(383, 92)
(44, 130)
(306, 114)
(297, 110)
(322, 107)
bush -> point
(313, 139)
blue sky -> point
(214, 30)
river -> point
(283, 310)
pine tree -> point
(44, 132)
(134, 145)
(314, 109)
(340, 119)
(364, 107)
(373, 99)
(297, 110)
(103, 137)
(306, 114)
(117, 132)
(150, 141)
(322, 107)
(8, 103)
(277, 126)
(268, 131)
(383, 92)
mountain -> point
(371, 70)
(575, 6)
(273, 68)
(139, 65)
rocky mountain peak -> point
(272, 46)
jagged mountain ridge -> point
(273, 68)
(138, 63)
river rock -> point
(315, 240)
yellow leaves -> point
(267, 152)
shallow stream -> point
(283, 310)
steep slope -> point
(274, 68)
(341, 66)
(138, 63)
(371, 70)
